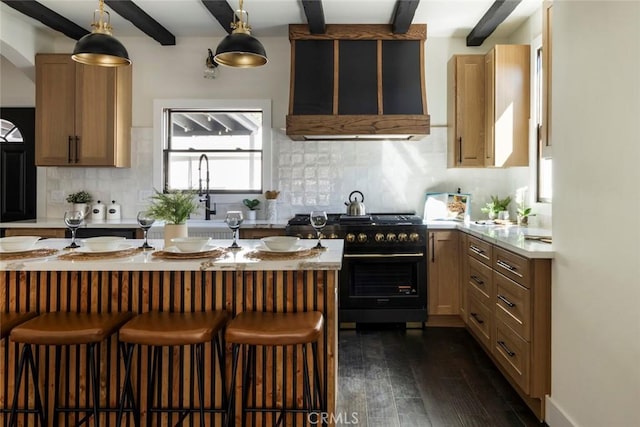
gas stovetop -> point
(372, 219)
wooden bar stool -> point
(66, 329)
(8, 321)
(161, 329)
(275, 329)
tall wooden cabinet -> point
(83, 113)
(465, 111)
(507, 110)
(443, 296)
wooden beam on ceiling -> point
(138, 17)
(497, 13)
(220, 10)
(48, 17)
(403, 14)
(315, 16)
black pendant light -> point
(100, 47)
(240, 49)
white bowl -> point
(103, 243)
(280, 243)
(18, 243)
(190, 244)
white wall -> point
(596, 288)
(16, 89)
(392, 175)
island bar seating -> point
(253, 329)
(66, 329)
(162, 329)
(8, 321)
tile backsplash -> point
(392, 175)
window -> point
(544, 161)
(206, 146)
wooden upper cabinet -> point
(83, 113)
(466, 115)
(507, 95)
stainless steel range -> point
(383, 277)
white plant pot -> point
(251, 215)
(81, 207)
(174, 230)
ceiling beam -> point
(497, 13)
(138, 17)
(48, 17)
(220, 10)
(403, 14)
(315, 16)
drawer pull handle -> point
(508, 267)
(69, 149)
(476, 249)
(506, 301)
(478, 319)
(506, 349)
(477, 280)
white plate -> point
(122, 247)
(34, 248)
(264, 248)
(175, 250)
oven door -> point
(383, 281)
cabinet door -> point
(466, 111)
(507, 106)
(443, 271)
(55, 109)
(95, 115)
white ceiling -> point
(190, 18)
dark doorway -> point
(17, 164)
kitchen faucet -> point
(205, 196)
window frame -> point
(161, 108)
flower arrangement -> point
(251, 204)
(80, 197)
(174, 207)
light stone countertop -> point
(331, 259)
(509, 237)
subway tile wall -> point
(393, 176)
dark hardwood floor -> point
(390, 376)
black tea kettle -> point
(355, 207)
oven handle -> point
(419, 254)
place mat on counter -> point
(33, 253)
(213, 253)
(92, 256)
(283, 256)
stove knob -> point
(403, 237)
(391, 237)
(351, 237)
(333, 236)
(362, 238)
(379, 237)
(414, 237)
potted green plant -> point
(252, 204)
(496, 205)
(80, 201)
(523, 215)
(174, 208)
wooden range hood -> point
(357, 82)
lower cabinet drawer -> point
(513, 354)
(480, 281)
(480, 321)
(513, 305)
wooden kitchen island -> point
(140, 282)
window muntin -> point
(231, 140)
